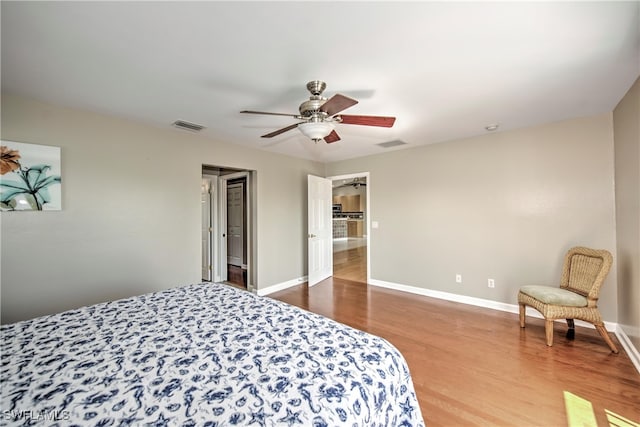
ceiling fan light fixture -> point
(316, 130)
(319, 116)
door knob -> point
(311, 236)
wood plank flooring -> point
(236, 276)
(351, 264)
(475, 366)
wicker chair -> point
(583, 273)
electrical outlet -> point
(491, 283)
(458, 278)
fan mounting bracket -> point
(316, 87)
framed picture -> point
(30, 177)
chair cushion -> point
(554, 296)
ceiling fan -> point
(319, 115)
(355, 183)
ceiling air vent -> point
(390, 144)
(192, 127)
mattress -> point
(203, 354)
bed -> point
(202, 354)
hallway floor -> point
(350, 259)
(343, 244)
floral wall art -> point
(29, 177)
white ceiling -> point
(445, 70)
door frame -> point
(207, 222)
(367, 215)
(214, 238)
(219, 179)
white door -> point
(235, 224)
(320, 234)
(206, 229)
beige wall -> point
(626, 121)
(505, 206)
(131, 216)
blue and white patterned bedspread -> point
(203, 354)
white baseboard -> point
(629, 348)
(446, 296)
(281, 286)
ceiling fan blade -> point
(279, 131)
(381, 121)
(337, 103)
(332, 137)
(270, 114)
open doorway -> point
(228, 242)
(350, 198)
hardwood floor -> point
(476, 366)
(236, 276)
(351, 264)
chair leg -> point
(523, 311)
(548, 329)
(571, 332)
(603, 332)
